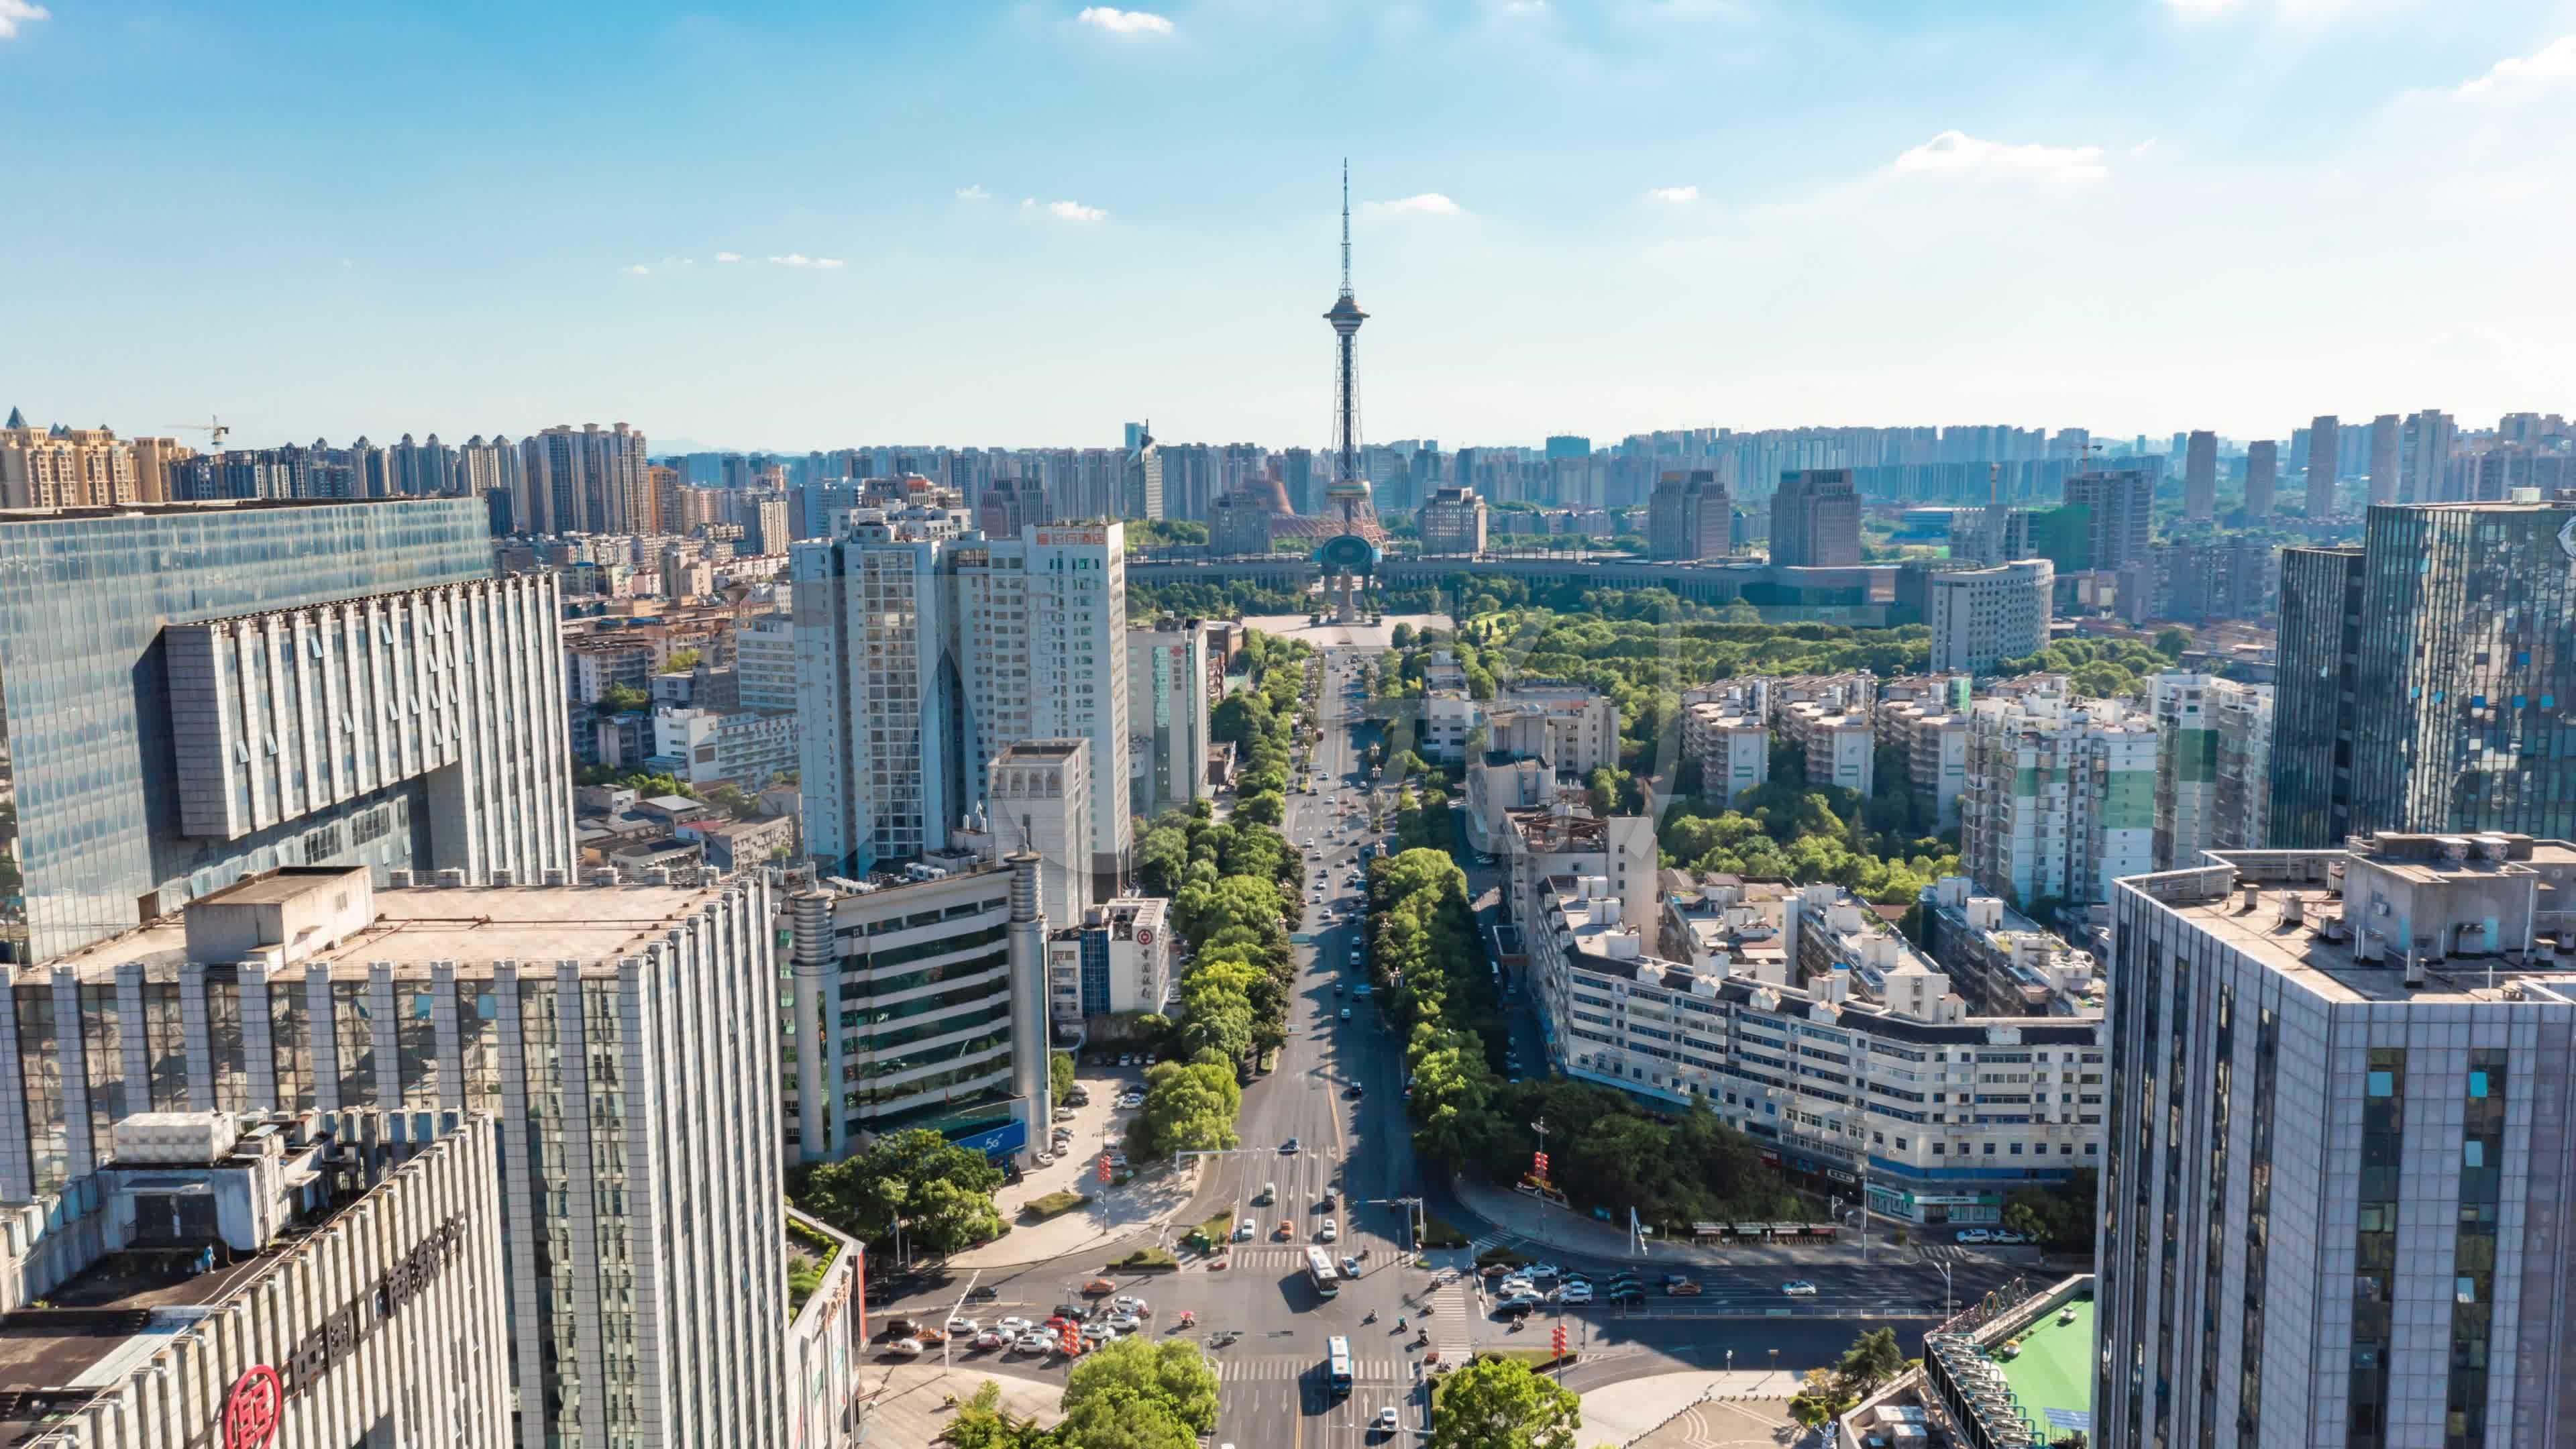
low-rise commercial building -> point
(708, 747)
(2002, 961)
(1942, 1113)
(1117, 962)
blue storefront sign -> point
(1000, 1142)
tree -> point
(1189, 1107)
(1872, 1360)
(2170, 642)
(681, 661)
(1174, 1377)
(1401, 636)
(1059, 1075)
(982, 1423)
(1503, 1404)
(940, 1192)
(623, 699)
(1821, 1400)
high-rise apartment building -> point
(2119, 514)
(1002, 510)
(764, 656)
(1143, 494)
(1995, 534)
(2262, 478)
(153, 459)
(924, 649)
(2337, 1184)
(1691, 516)
(2427, 443)
(197, 693)
(2200, 475)
(1981, 617)
(1452, 521)
(65, 468)
(1815, 520)
(2325, 462)
(1167, 708)
(2061, 797)
(618, 1035)
(588, 480)
(2213, 767)
(2385, 454)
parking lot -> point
(1078, 1168)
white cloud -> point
(1104, 17)
(14, 13)
(1063, 210)
(2143, 147)
(799, 259)
(728, 256)
(1429, 203)
(973, 193)
(1524, 7)
(1956, 153)
(1674, 195)
(639, 270)
(2555, 61)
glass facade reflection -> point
(90, 839)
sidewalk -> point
(1151, 1201)
(908, 1406)
(1532, 1223)
(1714, 1409)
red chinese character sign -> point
(253, 1408)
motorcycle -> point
(1371, 1317)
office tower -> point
(1815, 520)
(2427, 442)
(618, 1034)
(1136, 434)
(2179, 451)
(2060, 799)
(1167, 707)
(1142, 495)
(2325, 458)
(1238, 527)
(2200, 475)
(589, 481)
(2462, 674)
(2318, 670)
(923, 650)
(1298, 473)
(361, 1283)
(2119, 511)
(2262, 477)
(1568, 445)
(1991, 535)
(1189, 480)
(64, 468)
(1115, 961)
(1040, 795)
(1452, 521)
(2213, 754)
(2384, 433)
(1691, 516)
(857, 981)
(1981, 617)
(2337, 1181)
(195, 694)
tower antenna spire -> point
(1346, 226)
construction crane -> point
(213, 427)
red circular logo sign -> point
(253, 1408)
(1145, 936)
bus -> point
(1337, 1364)
(1319, 1269)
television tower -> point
(1349, 490)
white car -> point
(1975, 1235)
(1386, 1421)
(1516, 1288)
(1246, 1230)
(1125, 1322)
(1542, 1270)
(965, 1326)
(991, 1339)
(1032, 1343)
(1016, 1326)
(2007, 1235)
(1128, 1303)
(904, 1348)
(1798, 1288)
(1574, 1293)
(1330, 1231)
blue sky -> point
(1023, 223)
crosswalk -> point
(1288, 1368)
(1452, 1327)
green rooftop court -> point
(2053, 1373)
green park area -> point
(2054, 1369)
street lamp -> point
(1944, 1265)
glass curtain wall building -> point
(190, 693)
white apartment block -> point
(764, 656)
(1571, 726)
(1839, 744)
(617, 1034)
(1566, 838)
(1982, 616)
(1449, 718)
(739, 747)
(1826, 931)
(364, 1296)
(1118, 961)
(1727, 728)
(2213, 767)
(1935, 742)
(924, 649)
(2336, 1192)
(1943, 1113)
(2061, 797)
(1167, 708)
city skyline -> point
(2227, 190)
